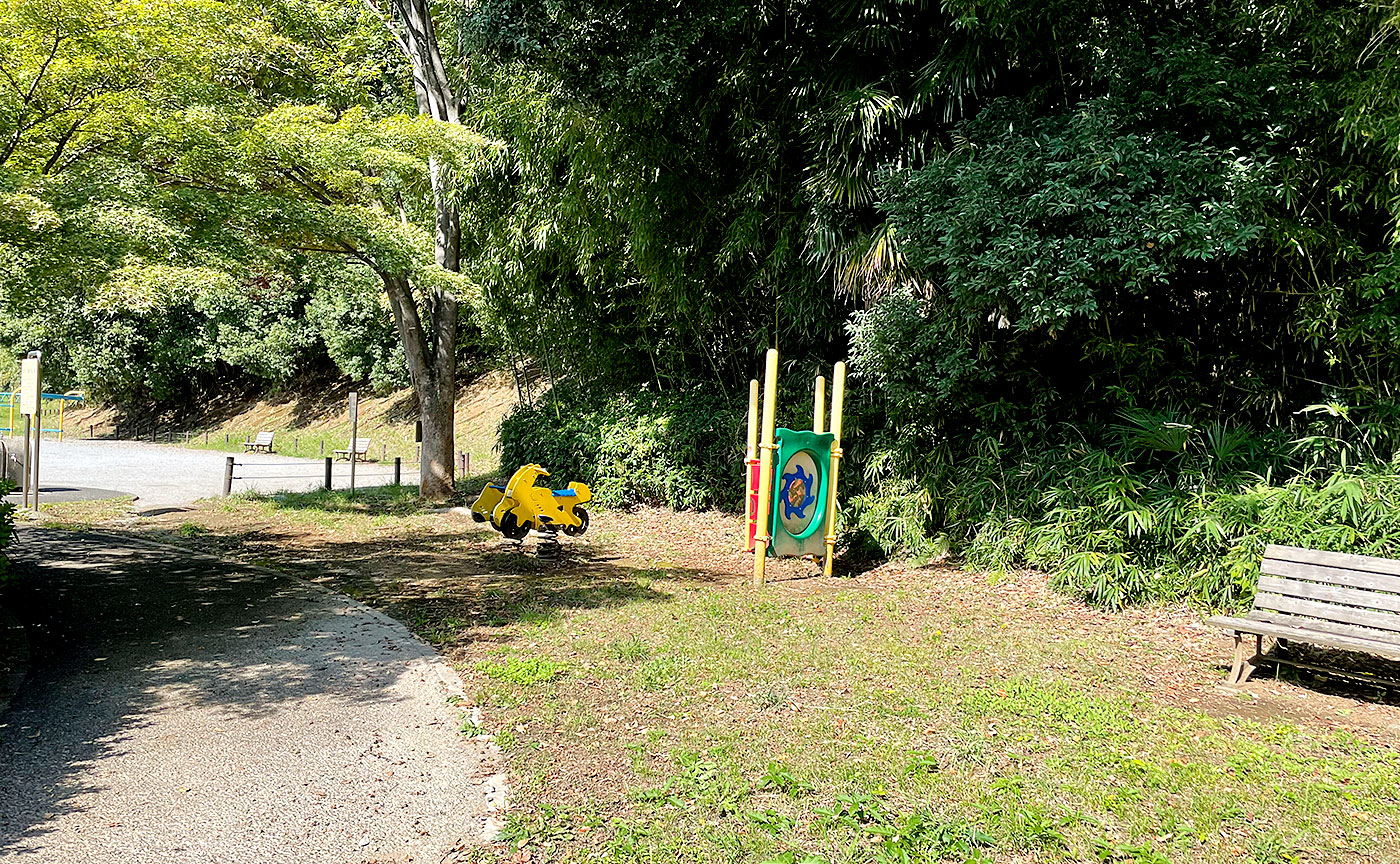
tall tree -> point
(431, 345)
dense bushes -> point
(681, 449)
(1147, 508)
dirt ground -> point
(1167, 652)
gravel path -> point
(162, 475)
(183, 709)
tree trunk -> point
(432, 353)
(432, 364)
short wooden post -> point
(206, 437)
(225, 437)
(92, 431)
(228, 476)
(466, 464)
(296, 446)
(398, 470)
(323, 448)
(328, 469)
(461, 463)
(383, 452)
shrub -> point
(1157, 510)
(682, 449)
(7, 525)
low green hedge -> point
(681, 449)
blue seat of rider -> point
(494, 486)
(565, 493)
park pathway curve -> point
(180, 708)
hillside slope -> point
(315, 423)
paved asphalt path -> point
(163, 475)
(183, 709)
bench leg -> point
(1245, 663)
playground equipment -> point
(520, 506)
(792, 499)
(10, 406)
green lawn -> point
(733, 725)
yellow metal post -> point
(61, 403)
(819, 405)
(838, 401)
(765, 466)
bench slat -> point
(1327, 612)
(1306, 634)
(1341, 560)
(1330, 593)
(1340, 628)
(1330, 575)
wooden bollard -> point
(228, 476)
(328, 470)
(461, 463)
(398, 470)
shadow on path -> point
(255, 682)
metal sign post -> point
(354, 435)
(31, 400)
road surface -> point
(163, 475)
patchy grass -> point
(77, 515)
(657, 708)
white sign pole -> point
(354, 436)
(31, 406)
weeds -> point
(525, 671)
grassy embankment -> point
(312, 425)
(655, 707)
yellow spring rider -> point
(519, 506)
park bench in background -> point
(361, 449)
(1348, 602)
(263, 443)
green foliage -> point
(186, 187)
(7, 525)
(350, 313)
(678, 449)
(524, 671)
(1161, 510)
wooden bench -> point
(361, 451)
(263, 443)
(1349, 602)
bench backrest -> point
(264, 439)
(1351, 595)
(361, 445)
